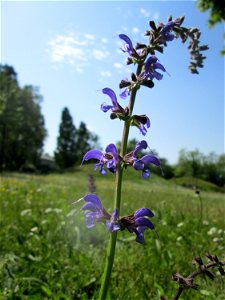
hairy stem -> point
(119, 175)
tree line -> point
(23, 132)
(191, 163)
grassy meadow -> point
(48, 253)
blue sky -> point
(71, 50)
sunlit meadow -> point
(48, 253)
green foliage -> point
(47, 252)
(210, 168)
(216, 10)
(22, 130)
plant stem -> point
(119, 175)
(112, 242)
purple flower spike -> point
(94, 212)
(109, 159)
(151, 66)
(141, 164)
(128, 46)
(138, 223)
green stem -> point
(112, 242)
(119, 175)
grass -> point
(48, 253)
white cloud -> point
(118, 65)
(105, 74)
(155, 15)
(135, 30)
(144, 12)
(63, 49)
(89, 36)
(99, 54)
(104, 40)
(77, 50)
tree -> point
(189, 163)
(22, 129)
(216, 12)
(86, 140)
(66, 152)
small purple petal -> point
(112, 227)
(159, 66)
(94, 200)
(148, 122)
(90, 220)
(124, 94)
(115, 214)
(128, 47)
(89, 206)
(105, 107)
(93, 154)
(112, 95)
(151, 60)
(144, 222)
(138, 165)
(140, 234)
(146, 173)
(150, 159)
(140, 146)
(111, 148)
(143, 130)
(157, 75)
(143, 212)
(102, 171)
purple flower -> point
(166, 35)
(151, 66)
(141, 164)
(125, 93)
(128, 46)
(142, 122)
(115, 107)
(138, 223)
(112, 225)
(166, 31)
(94, 212)
(109, 159)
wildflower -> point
(108, 159)
(141, 163)
(113, 225)
(128, 46)
(140, 122)
(116, 109)
(151, 66)
(138, 223)
(166, 35)
(94, 210)
(125, 93)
